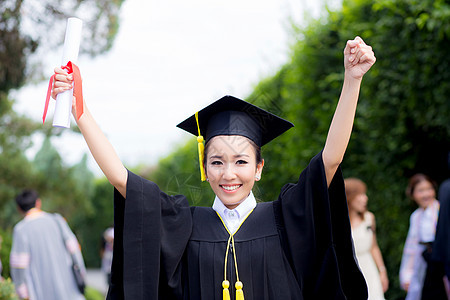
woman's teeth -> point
(230, 188)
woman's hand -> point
(63, 82)
(358, 58)
(405, 286)
(384, 280)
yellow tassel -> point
(239, 291)
(201, 154)
(226, 292)
(201, 150)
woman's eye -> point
(241, 162)
(216, 162)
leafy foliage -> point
(5, 247)
(27, 30)
(179, 173)
(33, 27)
(90, 224)
(7, 290)
(93, 294)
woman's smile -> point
(230, 188)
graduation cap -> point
(232, 116)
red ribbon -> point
(71, 68)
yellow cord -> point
(201, 150)
(225, 283)
(226, 257)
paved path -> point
(96, 279)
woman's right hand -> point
(63, 82)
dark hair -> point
(416, 179)
(257, 149)
(26, 200)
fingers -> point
(63, 82)
(362, 54)
(359, 52)
(355, 42)
(62, 75)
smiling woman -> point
(297, 247)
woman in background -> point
(364, 237)
(422, 229)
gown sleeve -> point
(151, 232)
(316, 235)
(441, 245)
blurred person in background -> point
(41, 253)
(107, 252)
(363, 227)
(422, 228)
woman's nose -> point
(229, 173)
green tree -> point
(90, 224)
(27, 30)
(24, 36)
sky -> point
(170, 59)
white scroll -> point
(72, 40)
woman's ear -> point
(259, 168)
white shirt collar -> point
(234, 217)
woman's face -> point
(359, 203)
(231, 168)
(424, 193)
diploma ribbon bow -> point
(71, 68)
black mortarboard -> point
(233, 116)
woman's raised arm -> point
(358, 58)
(101, 149)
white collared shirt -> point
(234, 217)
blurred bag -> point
(76, 270)
(426, 254)
(78, 276)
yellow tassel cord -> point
(225, 283)
(239, 285)
(201, 150)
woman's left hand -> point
(384, 281)
(358, 58)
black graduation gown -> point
(297, 247)
(439, 264)
(441, 245)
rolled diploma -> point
(63, 107)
